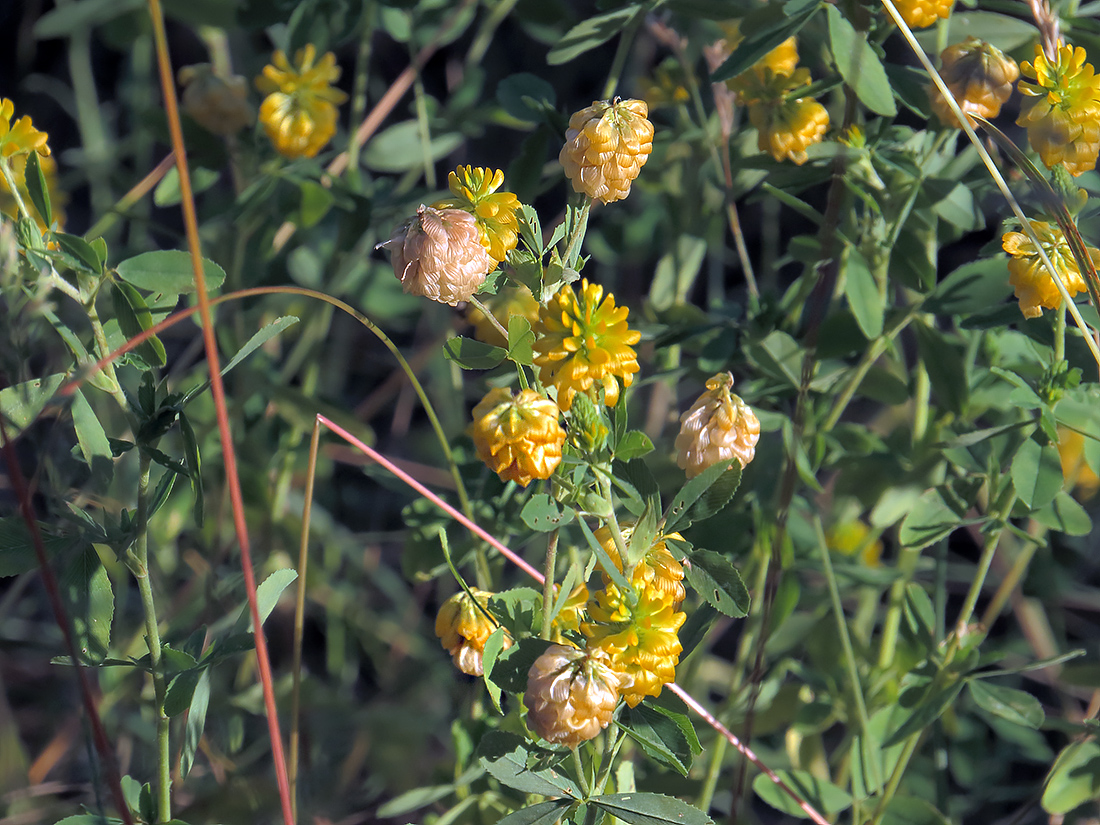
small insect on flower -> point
(518, 436)
(980, 77)
(571, 694)
(475, 190)
(1062, 109)
(719, 427)
(464, 627)
(438, 254)
(299, 112)
(21, 137)
(219, 105)
(606, 147)
(1034, 286)
(582, 340)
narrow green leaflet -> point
(764, 29)
(1037, 473)
(134, 318)
(493, 646)
(945, 367)
(609, 567)
(473, 355)
(911, 810)
(87, 589)
(21, 404)
(181, 689)
(80, 252)
(168, 271)
(505, 757)
(415, 799)
(859, 65)
(650, 809)
(194, 466)
(17, 548)
(261, 337)
(1065, 515)
(196, 721)
(821, 794)
(925, 704)
(677, 516)
(593, 32)
(864, 297)
(1009, 703)
(633, 444)
(93, 442)
(1074, 779)
(716, 579)
(544, 813)
(37, 188)
(267, 594)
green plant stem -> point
(618, 62)
(359, 88)
(484, 36)
(846, 645)
(611, 749)
(548, 583)
(895, 777)
(582, 778)
(9, 179)
(104, 349)
(139, 564)
(423, 127)
(1015, 574)
(1060, 333)
(612, 523)
(492, 319)
(907, 565)
(922, 391)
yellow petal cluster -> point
(219, 105)
(439, 254)
(639, 635)
(299, 112)
(20, 137)
(475, 190)
(582, 341)
(1034, 286)
(510, 301)
(518, 436)
(920, 14)
(464, 627)
(782, 60)
(980, 77)
(606, 146)
(571, 694)
(658, 570)
(850, 538)
(719, 427)
(1062, 112)
(786, 129)
(1079, 476)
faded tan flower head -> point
(464, 627)
(719, 427)
(606, 147)
(571, 694)
(439, 254)
(980, 77)
(518, 436)
(219, 105)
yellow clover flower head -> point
(786, 128)
(606, 146)
(584, 340)
(658, 570)
(518, 436)
(980, 77)
(463, 629)
(475, 190)
(571, 694)
(1062, 113)
(920, 14)
(21, 137)
(1077, 473)
(219, 105)
(780, 61)
(299, 112)
(506, 303)
(850, 538)
(719, 427)
(641, 638)
(439, 255)
(1034, 286)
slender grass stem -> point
(548, 583)
(622, 50)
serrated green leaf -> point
(505, 757)
(1009, 703)
(168, 271)
(717, 496)
(661, 736)
(716, 579)
(650, 809)
(1037, 473)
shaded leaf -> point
(134, 318)
(473, 355)
(677, 516)
(37, 188)
(168, 271)
(543, 813)
(505, 757)
(930, 519)
(650, 809)
(945, 367)
(1036, 473)
(867, 302)
(716, 579)
(1009, 703)
(91, 600)
(21, 403)
(824, 796)
(764, 29)
(590, 33)
(196, 721)
(859, 65)
(1074, 779)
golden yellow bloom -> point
(1078, 474)
(299, 112)
(1035, 288)
(58, 199)
(641, 640)
(1062, 114)
(219, 105)
(980, 77)
(719, 427)
(851, 537)
(782, 60)
(571, 694)
(518, 436)
(438, 254)
(21, 137)
(463, 629)
(571, 613)
(658, 570)
(606, 147)
(508, 302)
(475, 190)
(787, 128)
(666, 87)
(920, 14)
(585, 340)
